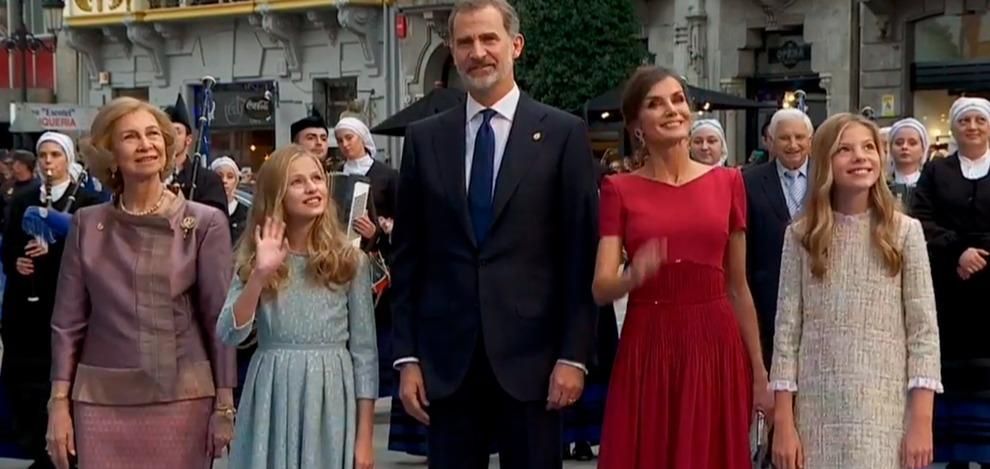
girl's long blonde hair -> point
(816, 224)
(332, 260)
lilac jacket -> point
(137, 305)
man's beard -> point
(483, 83)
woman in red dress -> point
(689, 367)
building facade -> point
(274, 61)
(27, 67)
(920, 55)
(763, 50)
(421, 30)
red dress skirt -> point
(680, 396)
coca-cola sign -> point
(258, 107)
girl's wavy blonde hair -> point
(332, 260)
(816, 224)
(97, 149)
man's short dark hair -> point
(25, 157)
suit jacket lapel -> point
(448, 147)
(774, 192)
(520, 150)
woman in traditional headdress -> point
(230, 176)
(708, 142)
(907, 153)
(952, 201)
(32, 267)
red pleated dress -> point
(680, 396)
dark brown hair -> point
(637, 87)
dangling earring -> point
(113, 174)
(639, 138)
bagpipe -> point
(201, 152)
(48, 225)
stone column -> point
(734, 122)
(825, 81)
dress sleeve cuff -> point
(402, 361)
(926, 383)
(783, 385)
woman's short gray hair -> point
(789, 114)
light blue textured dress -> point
(316, 356)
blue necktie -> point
(482, 175)
(797, 186)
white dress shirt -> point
(784, 184)
(231, 207)
(975, 169)
(505, 112)
(360, 166)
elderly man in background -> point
(775, 193)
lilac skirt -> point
(157, 436)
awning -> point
(38, 117)
(435, 102)
(611, 101)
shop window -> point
(931, 107)
(335, 97)
(952, 38)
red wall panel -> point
(40, 67)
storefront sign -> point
(35, 117)
(258, 108)
(239, 105)
(790, 53)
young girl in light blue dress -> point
(308, 401)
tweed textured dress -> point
(316, 357)
(853, 344)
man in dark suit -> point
(188, 174)
(775, 193)
(494, 246)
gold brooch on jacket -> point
(188, 224)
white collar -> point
(58, 190)
(974, 161)
(976, 168)
(802, 170)
(909, 179)
(231, 207)
(360, 166)
(505, 107)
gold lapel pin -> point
(537, 136)
(188, 224)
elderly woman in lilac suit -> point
(139, 378)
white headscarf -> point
(964, 105)
(355, 125)
(225, 161)
(69, 148)
(909, 123)
(75, 169)
(64, 141)
(715, 125)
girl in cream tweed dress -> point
(856, 352)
